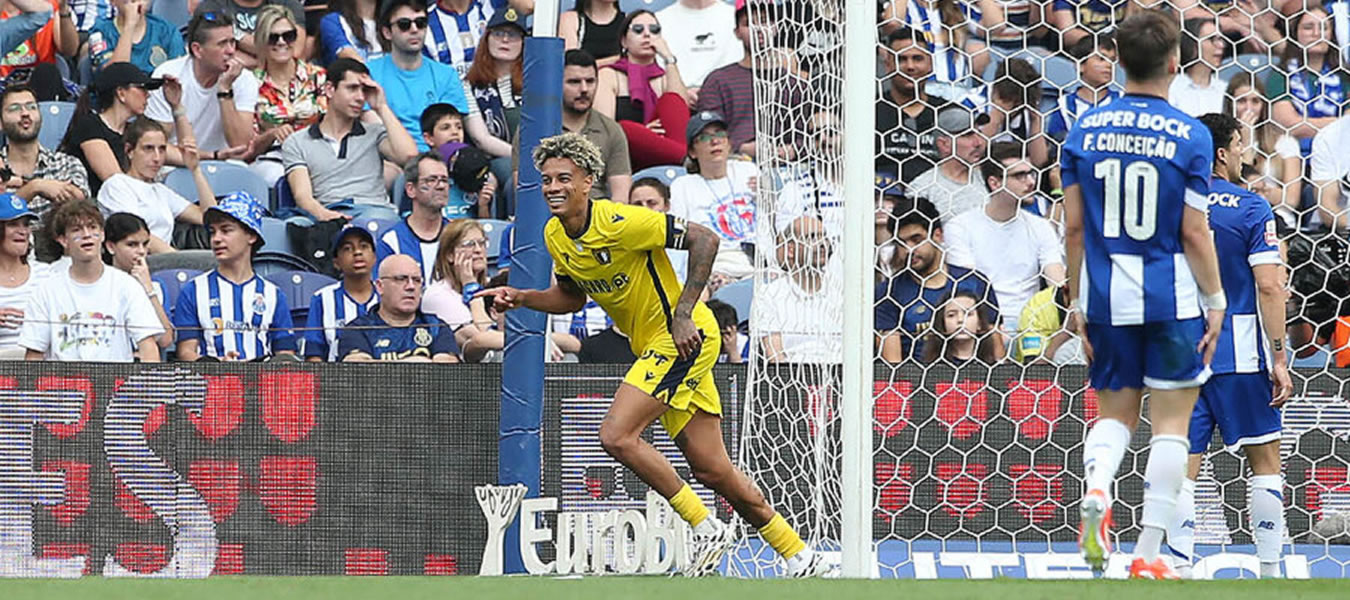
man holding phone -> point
(134, 36)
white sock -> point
(799, 560)
(1268, 516)
(1181, 535)
(1162, 483)
(708, 526)
(1103, 449)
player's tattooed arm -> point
(702, 244)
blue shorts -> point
(1239, 404)
(1160, 356)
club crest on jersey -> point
(422, 337)
(259, 303)
(601, 255)
(1272, 238)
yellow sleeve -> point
(641, 228)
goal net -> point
(980, 402)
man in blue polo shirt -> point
(905, 302)
(397, 329)
(418, 236)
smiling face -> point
(909, 63)
(129, 250)
(282, 50)
(566, 187)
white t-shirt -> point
(201, 104)
(702, 39)
(809, 323)
(1330, 159)
(951, 198)
(727, 206)
(811, 194)
(71, 321)
(17, 297)
(1011, 254)
(154, 202)
(1196, 100)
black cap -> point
(118, 74)
(469, 168)
(509, 16)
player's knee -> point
(615, 442)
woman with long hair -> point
(1309, 88)
(648, 100)
(595, 26)
(290, 90)
(18, 278)
(961, 332)
(138, 192)
(1267, 147)
(350, 31)
(460, 272)
(493, 82)
(126, 243)
(120, 92)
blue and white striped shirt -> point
(401, 239)
(1244, 237)
(241, 321)
(1138, 162)
(330, 309)
(950, 65)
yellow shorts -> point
(684, 385)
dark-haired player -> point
(1143, 280)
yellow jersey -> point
(620, 262)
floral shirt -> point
(300, 103)
(56, 166)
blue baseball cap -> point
(699, 121)
(242, 207)
(351, 230)
(507, 17)
(13, 206)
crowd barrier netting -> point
(284, 469)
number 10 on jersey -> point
(1139, 184)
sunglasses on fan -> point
(287, 36)
(406, 24)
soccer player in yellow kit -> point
(615, 253)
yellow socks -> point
(688, 505)
(782, 537)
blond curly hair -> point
(573, 147)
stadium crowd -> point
(338, 180)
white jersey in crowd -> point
(17, 297)
(949, 197)
(1196, 100)
(725, 205)
(71, 321)
(1330, 159)
(201, 104)
(809, 323)
(154, 202)
(702, 39)
(1011, 254)
(814, 194)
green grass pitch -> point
(654, 588)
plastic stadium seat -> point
(224, 177)
(664, 173)
(494, 230)
(400, 199)
(197, 260)
(275, 238)
(299, 286)
(1256, 64)
(283, 201)
(1060, 73)
(376, 227)
(267, 263)
(172, 280)
(739, 295)
(56, 118)
(173, 11)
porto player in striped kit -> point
(1250, 369)
(1143, 280)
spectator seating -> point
(224, 178)
(739, 295)
(299, 286)
(56, 118)
(1059, 75)
(197, 260)
(173, 11)
(265, 264)
(1256, 64)
(275, 238)
(282, 202)
(172, 280)
(401, 200)
(664, 173)
(376, 227)
(494, 229)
